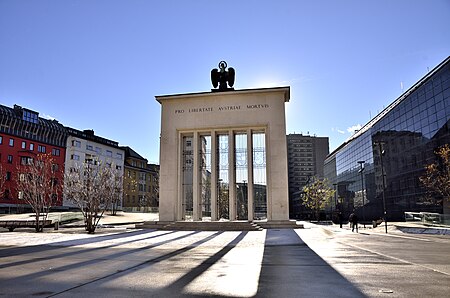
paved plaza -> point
(312, 262)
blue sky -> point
(98, 64)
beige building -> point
(223, 155)
(86, 147)
(140, 183)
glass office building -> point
(399, 142)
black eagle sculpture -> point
(220, 77)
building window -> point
(55, 152)
(90, 159)
(98, 150)
(118, 168)
(10, 158)
(24, 144)
(76, 143)
(8, 176)
(31, 146)
(75, 157)
(25, 160)
(22, 177)
(55, 167)
(1, 139)
(30, 116)
(109, 153)
(41, 149)
(11, 142)
(90, 147)
(119, 155)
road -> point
(311, 262)
(386, 265)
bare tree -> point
(2, 181)
(316, 195)
(92, 186)
(117, 190)
(437, 175)
(38, 185)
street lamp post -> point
(381, 151)
(338, 213)
(361, 170)
(335, 193)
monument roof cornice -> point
(285, 90)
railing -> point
(428, 218)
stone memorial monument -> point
(223, 154)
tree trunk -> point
(38, 227)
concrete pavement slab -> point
(163, 263)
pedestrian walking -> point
(341, 218)
(353, 219)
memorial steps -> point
(219, 225)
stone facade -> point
(243, 112)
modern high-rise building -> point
(306, 156)
(378, 168)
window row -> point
(98, 150)
(40, 148)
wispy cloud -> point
(48, 117)
(337, 130)
(354, 128)
(289, 82)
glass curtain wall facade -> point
(396, 145)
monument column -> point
(268, 175)
(231, 176)
(250, 191)
(214, 176)
(180, 212)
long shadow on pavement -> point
(291, 269)
(31, 249)
(45, 248)
(177, 287)
(146, 262)
(107, 257)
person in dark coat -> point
(353, 219)
(341, 218)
